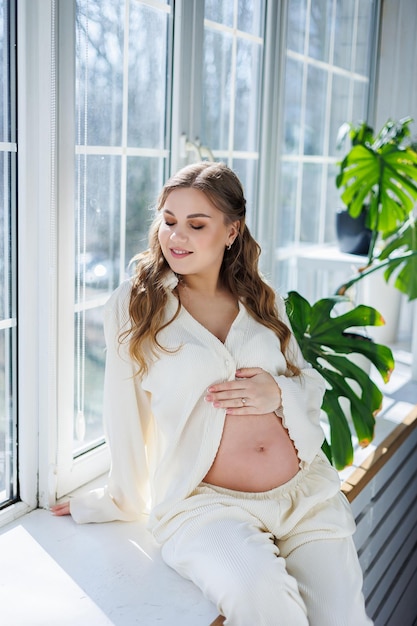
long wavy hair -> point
(238, 273)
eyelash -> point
(193, 227)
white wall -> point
(396, 91)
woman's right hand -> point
(61, 509)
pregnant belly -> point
(255, 454)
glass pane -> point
(97, 225)
(147, 76)
(249, 17)
(247, 171)
(292, 106)
(340, 110)
(315, 116)
(343, 39)
(4, 234)
(89, 377)
(217, 72)
(363, 37)
(320, 29)
(288, 204)
(220, 11)
(360, 99)
(283, 276)
(333, 203)
(4, 127)
(144, 181)
(310, 203)
(8, 429)
(8, 286)
(296, 28)
(248, 66)
(99, 67)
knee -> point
(264, 599)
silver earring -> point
(229, 247)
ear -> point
(234, 228)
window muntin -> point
(8, 304)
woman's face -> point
(193, 234)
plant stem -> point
(369, 269)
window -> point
(114, 96)
(125, 70)
(8, 308)
(121, 88)
(327, 80)
(122, 104)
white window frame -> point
(35, 293)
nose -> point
(178, 234)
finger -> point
(61, 509)
(231, 385)
(233, 403)
(226, 396)
(242, 410)
(248, 372)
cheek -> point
(162, 234)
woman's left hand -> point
(255, 392)
(61, 509)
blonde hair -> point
(239, 271)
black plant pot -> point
(352, 234)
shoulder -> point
(117, 306)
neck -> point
(201, 286)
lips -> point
(178, 253)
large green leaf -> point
(340, 448)
(379, 176)
(402, 266)
(389, 174)
(327, 342)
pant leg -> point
(330, 581)
(237, 566)
(320, 553)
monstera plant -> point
(380, 172)
(327, 341)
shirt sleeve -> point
(126, 414)
(302, 395)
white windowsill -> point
(113, 574)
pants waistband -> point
(258, 495)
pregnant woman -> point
(212, 419)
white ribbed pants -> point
(284, 557)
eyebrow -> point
(192, 215)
